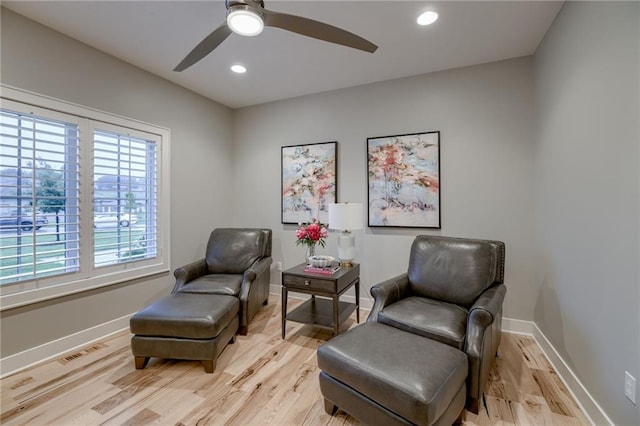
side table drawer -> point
(293, 281)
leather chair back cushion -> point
(454, 270)
(233, 250)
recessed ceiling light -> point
(238, 69)
(427, 18)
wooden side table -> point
(326, 311)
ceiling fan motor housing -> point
(230, 3)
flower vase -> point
(311, 251)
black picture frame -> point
(403, 180)
(308, 181)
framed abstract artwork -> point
(403, 177)
(308, 181)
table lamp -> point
(345, 217)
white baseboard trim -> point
(517, 326)
(585, 401)
(25, 359)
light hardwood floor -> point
(261, 379)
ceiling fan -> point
(249, 17)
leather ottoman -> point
(185, 326)
(382, 376)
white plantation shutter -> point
(83, 198)
(125, 198)
(38, 182)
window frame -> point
(35, 290)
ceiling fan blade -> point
(205, 47)
(315, 29)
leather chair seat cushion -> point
(440, 321)
(413, 377)
(186, 315)
(227, 284)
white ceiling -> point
(156, 35)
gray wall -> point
(587, 180)
(38, 59)
(484, 116)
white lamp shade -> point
(345, 216)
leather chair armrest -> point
(258, 268)
(254, 291)
(189, 272)
(481, 315)
(487, 306)
(386, 293)
(481, 343)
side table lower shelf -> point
(319, 311)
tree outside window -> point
(50, 195)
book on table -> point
(327, 270)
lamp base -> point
(346, 249)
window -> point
(81, 198)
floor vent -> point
(68, 358)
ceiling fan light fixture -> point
(245, 21)
(427, 18)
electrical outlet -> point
(630, 387)
(279, 266)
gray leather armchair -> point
(237, 263)
(453, 293)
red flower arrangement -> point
(312, 233)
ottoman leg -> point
(473, 405)
(233, 339)
(141, 362)
(329, 407)
(209, 365)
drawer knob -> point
(307, 282)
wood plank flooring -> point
(259, 380)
